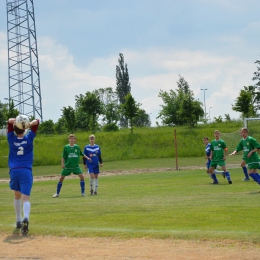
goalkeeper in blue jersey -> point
(20, 162)
(93, 151)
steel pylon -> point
(23, 64)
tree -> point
(46, 127)
(245, 102)
(123, 87)
(142, 119)
(3, 114)
(111, 109)
(69, 116)
(92, 106)
(130, 109)
(180, 107)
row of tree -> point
(110, 109)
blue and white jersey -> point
(94, 153)
(207, 149)
(20, 149)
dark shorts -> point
(93, 169)
(214, 164)
(21, 180)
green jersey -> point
(71, 155)
(218, 147)
(247, 145)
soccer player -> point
(243, 164)
(218, 154)
(207, 156)
(93, 151)
(70, 164)
(250, 147)
(20, 162)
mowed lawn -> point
(169, 204)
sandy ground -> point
(16, 246)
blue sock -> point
(59, 187)
(82, 185)
(255, 177)
(214, 177)
(227, 175)
(257, 174)
(245, 171)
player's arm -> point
(100, 160)
(225, 153)
(34, 125)
(10, 125)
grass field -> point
(170, 204)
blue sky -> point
(212, 44)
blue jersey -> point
(207, 149)
(20, 149)
(94, 153)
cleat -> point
(95, 193)
(83, 195)
(224, 175)
(229, 182)
(246, 179)
(25, 226)
(56, 195)
(19, 224)
(91, 192)
(214, 182)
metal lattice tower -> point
(23, 65)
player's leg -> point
(252, 172)
(227, 174)
(17, 208)
(243, 165)
(207, 171)
(91, 180)
(64, 173)
(96, 172)
(82, 184)
(211, 170)
(26, 187)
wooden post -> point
(176, 149)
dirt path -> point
(19, 247)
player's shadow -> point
(17, 237)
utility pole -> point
(204, 89)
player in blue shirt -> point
(207, 152)
(93, 152)
(20, 162)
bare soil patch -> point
(16, 246)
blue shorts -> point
(208, 164)
(93, 169)
(21, 180)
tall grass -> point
(122, 145)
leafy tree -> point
(142, 119)
(227, 117)
(111, 109)
(130, 109)
(123, 87)
(257, 73)
(69, 116)
(60, 126)
(92, 105)
(218, 119)
(245, 102)
(12, 112)
(46, 127)
(3, 114)
(180, 107)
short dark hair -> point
(18, 131)
(205, 137)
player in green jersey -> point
(70, 164)
(250, 147)
(218, 154)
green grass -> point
(171, 204)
